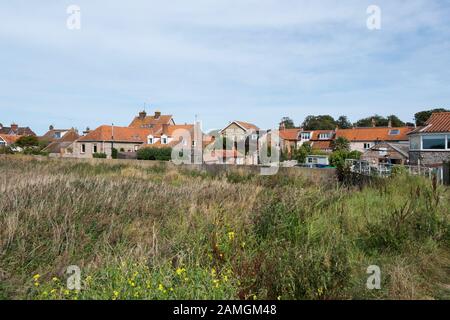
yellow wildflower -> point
(55, 279)
(161, 287)
(180, 271)
(36, 277)
(216, 283)
(231, 235)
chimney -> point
(157, 114)
(282, 126)
(51, 127)
(14, 127)
(165, 128)
(374, 123)
(142, 115)
(390, 123)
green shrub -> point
(114, 153)
(161, 154)
(99, 155)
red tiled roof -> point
(316, 133)
(289, 134)
(150, 121)
(321, 145)
(374, 134)
(438, 122)
(9, 139)
(247, 125)
(123, 134)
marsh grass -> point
(161, 232)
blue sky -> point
(252, 60)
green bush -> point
(161, 154)
(99, 155)
(114, 153)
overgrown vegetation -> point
(162, 154)
(148, 231)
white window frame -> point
(367, 145)
(447, 140)
(164, 139)
(324, 136)
(305, 136)
(150, 139)
(83, 148)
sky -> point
(222, 60)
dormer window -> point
(150, 140)
(324, 136)
(305, 135)
(164, 139)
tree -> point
(337, 158)
(368, 122)
(301, 153)
(395, 121)
(27, 141)
(340, 144)
(422, 116)
(322, 122)
(343, 123)
(287, 123)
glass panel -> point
(414, 143)
(433, 142)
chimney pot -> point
(51, 127)
(142, 115)
(374, 123)
(390, 123)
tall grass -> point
(164, 233)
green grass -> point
(160, 232)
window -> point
(324, 136)
(150, 139)
(94, 148)
(414, 143)
(2, 143)
(394, 132)
(305, 135)
(254, 136)
(367, 145)
(164, 140)
(433, 142)
(57, 135)
(448, 142)
(136, 148)
(83, 148)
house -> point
(156, 121)
(54, 134)
(107, 137)
(7, 140)
(387, 153)
(430, 144)
(15, 130)
(319, 139)
(60, 141)
(289, 139)
(317, 160)
(244, 137)
(362, 139)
